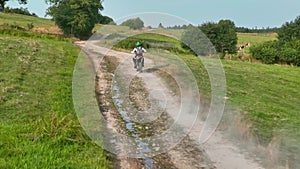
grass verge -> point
(38, 125)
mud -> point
(184, 155)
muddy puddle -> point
(143, 148)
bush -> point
(274, 52)
(136, 23)
(290, 53)
(266, 52)
(106, 20)
(286, 50)
(30, 26)
(129, 43)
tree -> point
(196, 42)
(75, 17)
(227, 37)
(289, 31)
(2, 2)
(160, 25)
(106, 20)
(210, 29)
(136, 23)
(222, 35)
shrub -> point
(286, 50)
(106, 20)
(136, 23)
(30, 25)
(290, 53)
(129, 43)
(266, 52)
(276, 52)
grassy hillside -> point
(38, 125)
(29, 23)
(267, 94)
(23, 20)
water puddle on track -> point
(142, 147)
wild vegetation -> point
(222, 35)
(38, 124)
(75, 17)
(285, 50)
(136, 23)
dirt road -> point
(217, 152)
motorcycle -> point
(139, 63)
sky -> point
(251, 13)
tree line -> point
(256, 30)
(237, 29)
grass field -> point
(255, 38)
(268, 95)
(38, 125)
